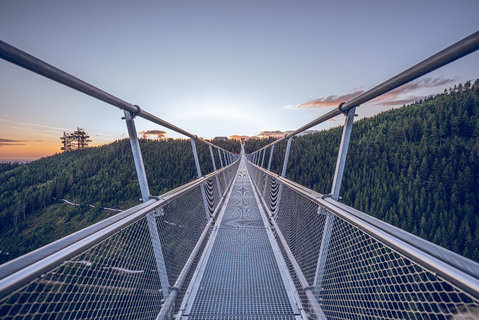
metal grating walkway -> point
(239, 276)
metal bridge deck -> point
(242, 275)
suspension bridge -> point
(241, 242)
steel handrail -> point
(19, 271)
(29, 62)
(450, 54)
(459, 270)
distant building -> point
(221, 138)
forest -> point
(416, 167)
(32, 212)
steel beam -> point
(219, 156)
(343, 152)
(158, 252)
(270, 157)
(137, 158)
(226, 160)
(212, 158)
(286, 157)
(329, 223)
(145, 195)
(262, 161)
(202, 187)
(283, 174)
(214, 168)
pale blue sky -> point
(216, 68)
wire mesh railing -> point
(367, 269)
(111, 269)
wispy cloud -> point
(15, 142)
(392, 98)
(153, 134)
(30, 124)
(272, 134)
(329, 101)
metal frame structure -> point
(460, 271)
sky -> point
(217, 68)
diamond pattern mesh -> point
(359, 276)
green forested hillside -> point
(416, 167)
(32, 212)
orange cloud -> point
(153, 134)
(391, 98)
(329, 101)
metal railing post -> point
(283, 174)
(343, 152)
(270, 157)
(329, 223)
(221, 160)
(269, 166)
(212, 158)
(226, 160)
(214, 168)
(195, 155)
(198, 171)
(262, 161)
(137, 158)
(286, 158)
(145, 195)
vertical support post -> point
(158, 252)
(212, 158)
(270, 157)
(226, 160)
(214, 168)
(269, 167)
(329, 223)
(198, 171)
(145, 195)
(221, 160)
(195, 155)
(343, 152)
(286, 157)
(262, 161)
(138, 159)
(283, 174)
(222, 166)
